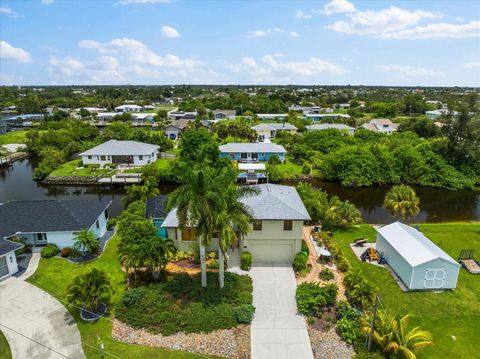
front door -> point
(40, 239)
(434, 278)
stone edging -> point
(73, 180)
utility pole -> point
(372, 325)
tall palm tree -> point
(140, 193)
(158, 252)
(402, 201)
(85, 241)
(89, 290)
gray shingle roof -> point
(121, 148)
(8, 246)
(258, 147)
(273, 127)
(274, 202)
(49, 215)
(156, 207)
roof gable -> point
(119, 148)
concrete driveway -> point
(37, 315)
(277, 330)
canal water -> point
(437, 205)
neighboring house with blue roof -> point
(276, 231)
(41, 222)
(156, 211)
(258, 151)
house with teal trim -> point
(252, 152)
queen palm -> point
(89, 290)
(85, 241)
(402, 201)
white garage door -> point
(274, 252)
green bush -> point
(49, 251)
(326, 274)
(274, 160)
(348, 329)
(244, 313)
(300, 262)
(306, 169)
(213, 264)
(246, 261)
(311, 297)
(132, 296)
(182, 255)
(305, 248)
(66, 252)
(342, 264)
(359, 290)
(212, 255)
(111, 223)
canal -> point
(437, 205)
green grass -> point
(54, 274)
(160, 164)
(5, 352)
(445, 313)
(289, 170)
(13, 137)
(70, 169)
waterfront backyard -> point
(453, 317)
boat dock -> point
(8, 160)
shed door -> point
(434, 278)
(3, 266)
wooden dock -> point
(8, 160)
(122, 178)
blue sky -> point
(430, 43)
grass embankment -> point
(13, 137)
(54, 274)
(162, 164)
(445, 314)
(5, 352)
(70, 169)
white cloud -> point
(410, 71)
(294, 34)
(249, 62)
(263, 33)
(5, 10)
(472, 65)
(170, 32)
(371, 22)
(46, 2)
(16, 54)
(301, 15)
(459, 19)
(337, 6)
(310, 67)
(67, 66)
(128, 2)
(436, 31)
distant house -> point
(272, 116)
(130, 153)
(275, 235)
(52, 221)
(326, 116)
(436, 115)
(8, 259)
(156, 211)
(326, 126)
(343, 106)
(246, 152)
(381, 125)
(224, 115)
(140, 118)
(128, 108)
(148, 107)
(181, 115)
(270, 130)
(92, 109)
(417, 261)
(174, 130)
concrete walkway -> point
(32, 267)
(277, 330)
(37, 315)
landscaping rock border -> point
(71, 180)
(230, 343)
(329, 345)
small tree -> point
(85, 241)
(159, 252)
(402, 201)
(89, 290)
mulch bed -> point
(229, 343)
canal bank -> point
(437, 205)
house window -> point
(243, 156)
(103, 158)
(257, 225)
(97, 224)
(232, 155)
(287, 225)
(188, 234)
(140, 158)
(106, 214)
(89, 157)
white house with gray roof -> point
(269, 130)
(252, 152)
(337, 126)
(8, 259)
(128, 153)
(383, 125)
(276, 231)
(418, 262)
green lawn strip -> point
(54, 274)
(70, 169)
(289, 170)
(13, 137)
(160, 164)
(5, 352)
(444, 314)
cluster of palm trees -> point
(209, 202)
(393, 336)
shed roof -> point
(412, 244)
(259, 147)
(120, 148)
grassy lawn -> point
(444, 314)
(289, 170)
(70, 169)
(13, 137)
(162, 164)
(54, 274)
(5, 352)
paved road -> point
(37, 315)
(277, 330)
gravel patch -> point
(328, 345)
(230, 343)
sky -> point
(157, 42)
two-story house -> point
(276, 231)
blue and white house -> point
(41, 222)
(252, 152)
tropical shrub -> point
(305, 248)
(49, 251)
(274, 160)
(213, 264)
(300, 262)
(360, 291)
(85, 241)
(342, 264)
(182, 255)
(66, 252)
(246, 261)
(348, 322)
(326, 274)
(311, 297)
(244, 313)
(89, 290)
(131, 296)
(111, 223)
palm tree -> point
(158, 253)
(85, 241)
(89, 290)
(140, 193)
(132, 256)
(402, 201)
